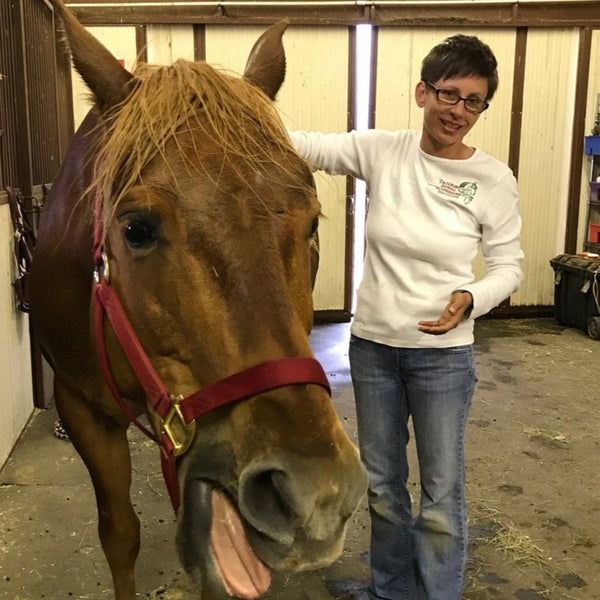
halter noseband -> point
(175, 411)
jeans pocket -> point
(466, 349)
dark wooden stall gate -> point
(36, 120)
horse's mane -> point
(229, 110)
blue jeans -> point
(422, 558)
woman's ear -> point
(420, 92)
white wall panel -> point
(492, 132)
(546, 128)
(400, 54)
(167, 43)
(16, 399)
(545, 155)
(313, 97)
(228, 47)
(121, 42)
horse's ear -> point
(110, 82)
(266, 64)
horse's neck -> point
(69, 202)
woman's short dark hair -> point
(461, 56)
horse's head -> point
(209, 223)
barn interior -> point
(531, 456)
(532, 442)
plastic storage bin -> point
(592, 144)
(577, 292)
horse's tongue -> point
(244, 574)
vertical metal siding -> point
(401, 52)
(228, 47)
(313, 97)
(545, 135)
(121, 41)
(548, 106)
(167, 43)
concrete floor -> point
(532, 460)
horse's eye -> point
(139, 233)
(314, 227)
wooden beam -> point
(221, 14)
(141, 43)
(516, 115)
(350, 181)
(570, 13)
(581, 89)
(373, 70)
(199, 42)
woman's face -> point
(445, 125)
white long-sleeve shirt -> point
(427, 218)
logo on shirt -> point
(464, 191)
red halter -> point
(250, 382)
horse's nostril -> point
(267, 502)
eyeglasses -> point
(472, 104)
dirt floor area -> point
(533, 468)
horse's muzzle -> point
(287, 521)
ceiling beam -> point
(572, 13)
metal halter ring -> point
(102, 270)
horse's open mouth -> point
(244, 574)
(211, 530)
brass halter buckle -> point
(180, 433)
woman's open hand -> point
(460, 302)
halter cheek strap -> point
(177, 413)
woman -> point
(433, 202)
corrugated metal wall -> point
(121, 42)
(548, 106)
(315, 97)
(167, 43)
(545, 135)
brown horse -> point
(182, 201)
